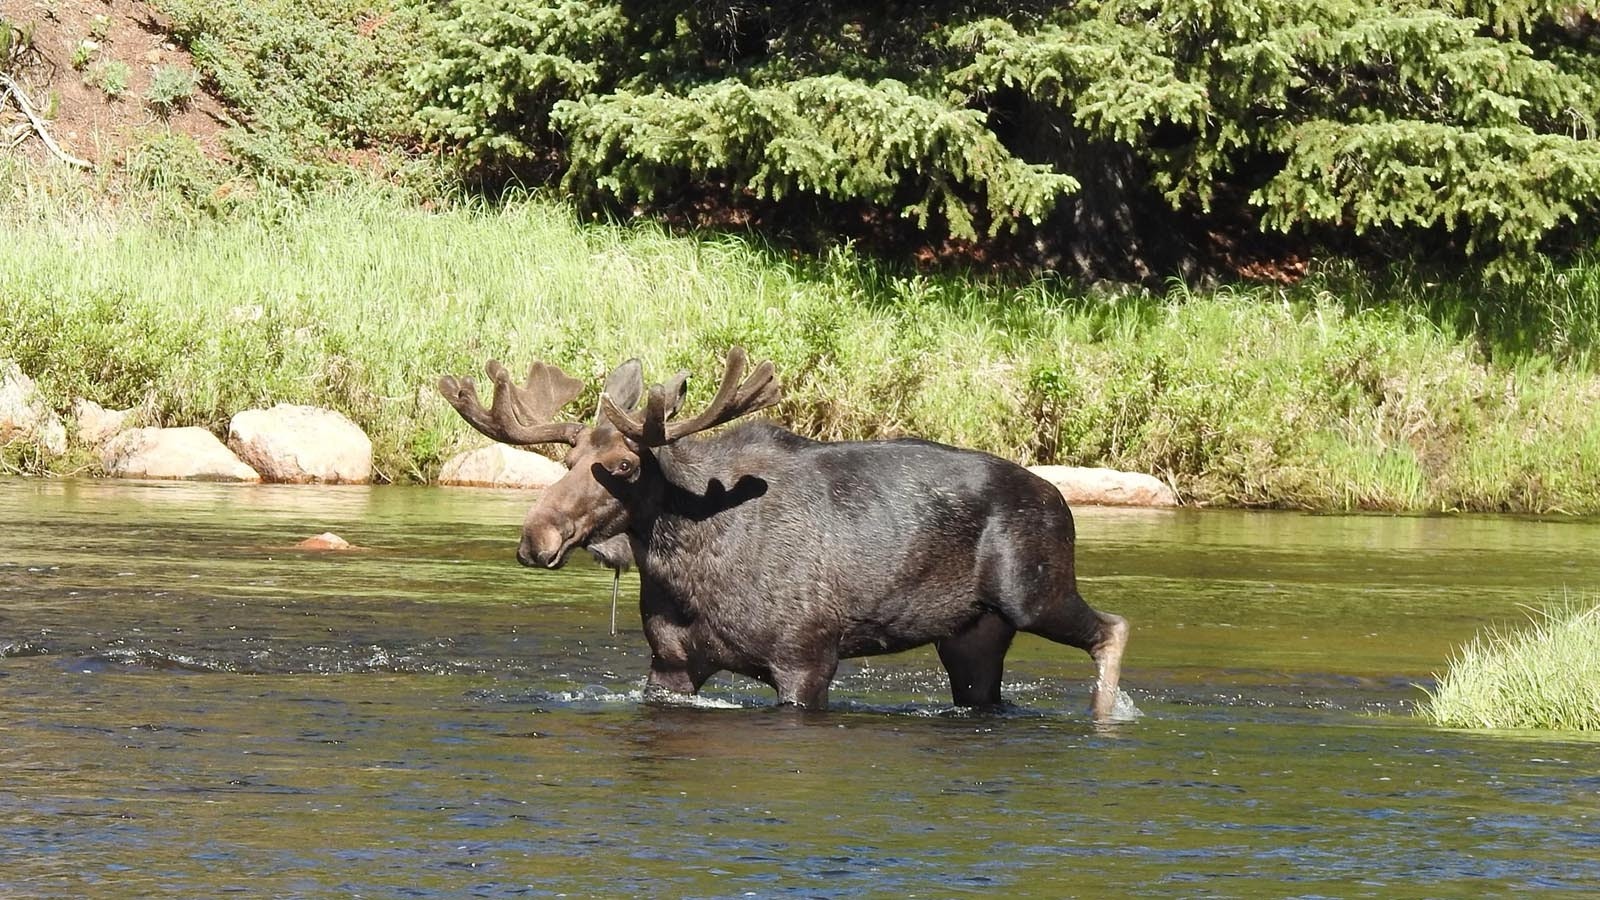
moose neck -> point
(700, 499)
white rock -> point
(1106, 487)
(96, 424)
(499, 465)
(24, 415)
(301, 444)
(192, 454)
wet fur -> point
(774, 556)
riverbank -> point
(1257, 396)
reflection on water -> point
(191, 707)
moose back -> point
(768, 554)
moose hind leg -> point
(1107, 653)
(1069, 620)
(974, 657)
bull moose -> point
(775, 556)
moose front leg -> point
(674, 666)
(682, 677)
(666, 677)
(805, 684)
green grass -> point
(1544, 675)
(360, 299)
(1550, 309)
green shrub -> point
(829, 136)
(1361, 114)
(83, 54)
(111, 77)
(171, 89)
(494, 69)
(308, 81)
(171, 165)
(1543, 675)
(16, 44)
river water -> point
(191, 707)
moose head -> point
(613, 467)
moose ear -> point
(677, 388)
(625, 385)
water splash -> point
(1124, 710)
(16, 649)
(589, 694)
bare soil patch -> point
(87, 68)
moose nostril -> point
(539, 546)
(525, 556)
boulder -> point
(24, 415)
(302, 444)
(192, 454)
(96, 424)
(1106, 487)
(498, 465)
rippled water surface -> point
(191, 707)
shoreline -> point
(1242, 396)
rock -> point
(324, 541)
(24, 415)
(302, 444)
(192, 454)
(498, 465)
(1106, 487)
(96, 424)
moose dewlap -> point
(771, 555)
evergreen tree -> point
(1104, 125)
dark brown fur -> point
(767, 554)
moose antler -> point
(738, 396)
(519, 414)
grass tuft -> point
(1545, 675)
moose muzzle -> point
(543, 547)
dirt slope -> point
(83, 116)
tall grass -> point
(1543, 675)
(1550, 309)
(359, 300)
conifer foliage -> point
(1471, 119)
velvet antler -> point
(519, 414)
(738, 396)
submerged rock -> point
(324, 541)
(498, 465)
(1107, 487)
(302, 444)
(24, 414)
(189, 454)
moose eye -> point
(624, 468)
